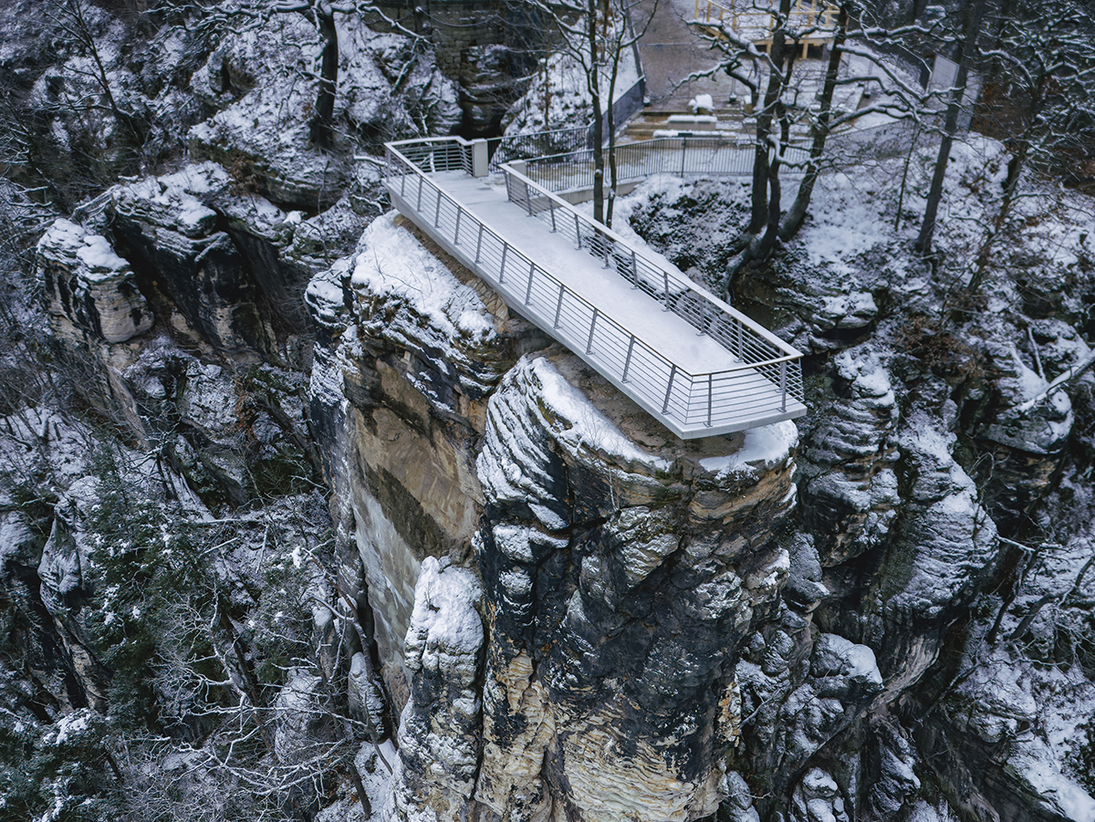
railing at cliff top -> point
(538, 144)
(683, 155)
(691, 404)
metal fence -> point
(765, 387)
(538, 144)
(683, 155)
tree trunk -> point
(763, 231)
(321, 127)
(594, 83)
(966, 48)
(759, 216)
(797, 213)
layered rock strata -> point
(621, 569)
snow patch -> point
(763, 446)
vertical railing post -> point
(502, 268)
(669, 388)
(437, 211)
(741, 340)
(665, 278)
(419, 208)
(783, 385)
(592, 328)
(577, 230)
(456, 234)
(627, 360)
(558, 307)
(528, 199)
(710, 395)
(551, 205)
(684, 150)
(703, 318)
(605, 245)
(403, 181)
(634, 270)
(479, 244)
(528, 288)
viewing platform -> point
(695, 364)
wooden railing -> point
(766, 385)
(809, 23)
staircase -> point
(673, 114)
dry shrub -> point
(945, 354)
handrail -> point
(612, 239)
(681, 155)
(765, 385)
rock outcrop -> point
(603, 545)
(90, 286)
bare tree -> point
(771, 80)
(1038, 100)
(595, 35)
(965, 53)
(321, 13)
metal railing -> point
(765, 387)
(541, 143)
(684, 155)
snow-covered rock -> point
(439, 739)
(89, 285)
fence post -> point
(437, 211)
(627, 361)
(592, 328)
(703, 318)
(669, 388)
(419, 208)
(665, 277)
(403, 181)
(783, 385)
(710, 393)
(551, 205)
(577, 231)
(456, 234)
(605, 244)
(684, 150)
(634, 270)
(558, 307)
(479, 158)
(741, 341)
(528, 289)
(502, 267)
(528, 199)
(479, 244)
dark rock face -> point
(179, 245)
(615, 559)
(89, 286)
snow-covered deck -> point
(690, 360)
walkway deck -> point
(618, 309)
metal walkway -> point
(694, 363)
